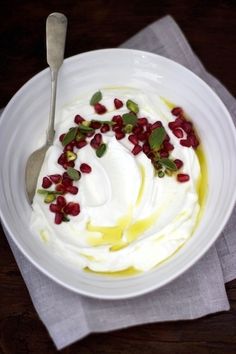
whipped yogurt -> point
(129, 217)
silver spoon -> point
(56, 26)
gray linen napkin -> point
(200, 291)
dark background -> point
(210, 27)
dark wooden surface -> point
(210, 27)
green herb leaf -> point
(129, 118)
(156, 138)
(79, 136)
(42, 191)
(65, 218)
(161, 174)
(167, 163)
(70, 135)
(49, 198)
(101, 150)
(96, 98)
(109, 122)
(84, 129)
(132, 106)
(73, 174)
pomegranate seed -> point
(168, 146)
(137, 130)
(72, 209)
(58, 218)
(94, 144)
(146, 148)
(118, 103)
(80, 144)
(98, 138)
(183, 177)
(61, 188)
(167, 138)
(150, 155)
(90, 134)
(172, 125)
(163, 153)
(100, 108)
(133, 139)
(178, 163)
(142, 121)
(78, 119)
(62, 159)
(120, 135)
(157, 124)
(46, 182)
(179, 122)
(61, 201)
(70, 164)
(105, 128)
(61, 137)
(85, 168)
(67, 182)
(193, 140)
(68, 147)
(187, 127)
(72, 189)
(142, 136)
(54, 208)
(177, 111)
(185, 142)
(95, 125)
(55, 178)
(137, 149)
(117, 119)
(178, 133)
(116, 127)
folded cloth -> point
(198, 292)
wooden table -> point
(210, 28)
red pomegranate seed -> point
(72, 189)
(163, 153)
(105, 128)
(78, 119)
(172, 125)
(61, 188)
(55, 178)
(168, 146)
(167, 138)
(177, 111)
(117, 119)
(94, 144)
(98, 138)
(146, 148)
(46, 182)
(137, 149)
(116, 128)
(120, 135)
(58, 218)
(185, 142)
(70, 164)
(72, 209)
(133, 139)
(183, 177)
(179, 163)
(142, 136)
(67, 182)
(178, 133)
(157, 124)
(100, 108)
(118, 103)
(80, 144)
(61, 201)
(90, 134)
(193, 140)
(68, 147)
(179, 122)
(62, 159)
(54, 208)
(142, 121)
(95, 125)
(85, 168)
(187, 127)
(137, 130)
(61, 137)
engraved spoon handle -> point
(56, 26)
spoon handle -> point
(56, 26)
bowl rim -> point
(183, 268)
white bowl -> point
(24, 121)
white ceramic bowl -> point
(24, 122)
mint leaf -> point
(156, 138)
(132, 106)
(70, 135)
(73, 173)
(168, 164)
(129, 118)
(101, 150)
(96, 98)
